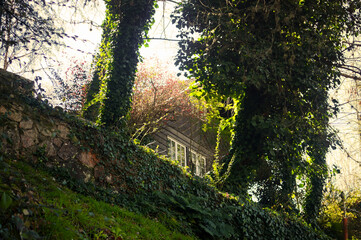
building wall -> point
(188, 133)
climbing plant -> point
(278, 59)
(125, 25)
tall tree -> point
(278, 59)
(125, 25)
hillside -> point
(62, 172)
(35, 206)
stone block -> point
(45, 132)
(63, 131)
(89, 159)
(57, 142)
(50, 149)
(28, 124)
(29, 138)
(11, 139)
(3, 110)
(67, 152)
(14, 115)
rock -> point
(14, 115)
(88, 159)
(57, 142)
(29, 138)
(63, 131)
(45, 132)
(28, 124)
(3, 110)
(50, 149)
(67, 152)
(12, 139)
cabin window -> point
(199, 162)
(177, 152)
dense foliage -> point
(124, 28)
(277, 59)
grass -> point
(34, 206)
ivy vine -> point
(126, 23)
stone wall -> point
(76, 148)
(29, 129)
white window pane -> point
(203, 166)
(199, 163)
(171, 149)
(181, 155)
(177, 151)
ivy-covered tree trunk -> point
(317, 175)
(262, 160)
(124, 28)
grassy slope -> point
(41, 207)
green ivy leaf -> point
(5, 201)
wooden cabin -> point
(184, 141)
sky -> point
(88, 38)
(162, 28)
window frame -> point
(173, 153)
(200, 169)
